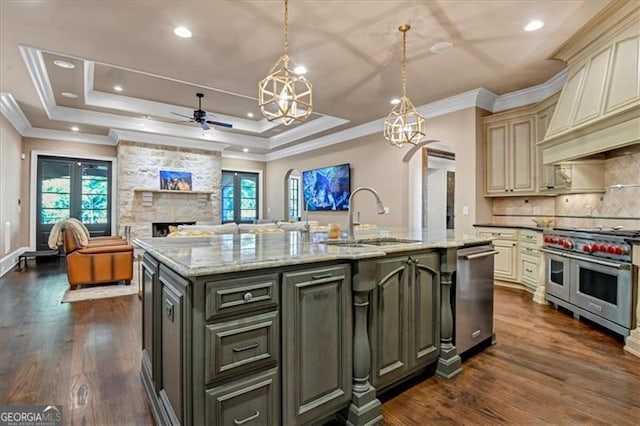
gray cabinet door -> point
(317, 344)
(425, 309)
(389, 334)
(150, 327)
(174, 346)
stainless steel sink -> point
(366, 242)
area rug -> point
(98, 292)
(101, 291)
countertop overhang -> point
(199, 256)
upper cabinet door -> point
(522, 161)
(497, 153)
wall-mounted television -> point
(327, 188)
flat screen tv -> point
(327, 188)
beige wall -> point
(377, 164)
(58, 148)
(11, 235)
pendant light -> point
(404, 124)
(285, 94)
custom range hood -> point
(599, 106)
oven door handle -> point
(623, 266)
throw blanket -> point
(56, 238)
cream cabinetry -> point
(506, 244)
(510, 153)
(519, 259)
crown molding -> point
(244, 156)
(318, 125)
(153, 139)
(11, 110)
(531, 95)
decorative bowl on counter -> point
(543, 222)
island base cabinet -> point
(405, 316)
(150, 338)
(250, 402)
(317, 344)
(175, 334)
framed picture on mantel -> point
(175, 181)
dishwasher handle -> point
(478, 255)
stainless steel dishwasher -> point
(472, 298)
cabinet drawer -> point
(245, 344)
(529, 250)
(531, 237)
(500, 234)
(241, 295)
(250, 402)
(529, 270)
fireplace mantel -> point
(148, 194)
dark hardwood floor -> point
(546, 368)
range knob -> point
(619, 250)
(611, 249)
(587, 248)
(596, 247)
(567, 244)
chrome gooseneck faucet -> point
(379, 206)
(307, 228)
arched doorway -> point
(292, 198)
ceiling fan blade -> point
(182, 115)
(204, 125)
(217, 123)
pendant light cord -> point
(404, 64)
(286, 27)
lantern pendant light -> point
(285, 96)
(404, 124)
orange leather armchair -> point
(97, 264)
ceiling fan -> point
(201, 117)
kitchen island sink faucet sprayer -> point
(379, 205)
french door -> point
(239, 197)
(69, 187)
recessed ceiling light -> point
(69, 95)
(534, 25)
(250, 114)
(442, 47)
(182, 32)
(75, 129)
(394, 101)
(245, 149)
(146, 117)
(118, 88)
(300, 70)
(64, 64)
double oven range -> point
(590, 273)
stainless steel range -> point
(589, 272)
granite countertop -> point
(500, 225)
(198, 256)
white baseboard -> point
(11, 260)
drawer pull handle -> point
(247, 296)
(319, 277)
(248, 419)
(529, 271)
(246, 348)
(596, 307)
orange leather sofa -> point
(94, 264)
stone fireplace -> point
(140, 200)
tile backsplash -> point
(616, 207)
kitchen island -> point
(275, 329)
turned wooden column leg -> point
(449, 362)
(365, 407)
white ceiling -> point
(352, 49)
